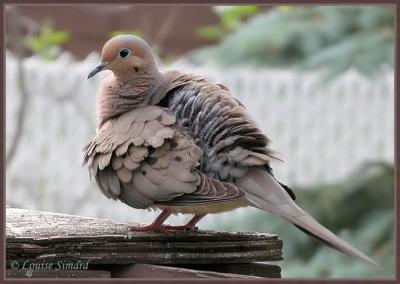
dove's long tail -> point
(265, 193)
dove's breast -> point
(220, 125)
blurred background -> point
(319, 80)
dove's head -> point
(126, 56)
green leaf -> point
(231, 17)
(57, 38)
(211, 32)
(47, 43)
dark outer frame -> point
(396, 6)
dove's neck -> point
(120, 95)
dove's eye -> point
(124, 52)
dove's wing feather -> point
(209, 191)
(116, 156)
(143, 158)
(230, 140)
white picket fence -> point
(322, 132)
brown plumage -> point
(180, 143)
(145, 159)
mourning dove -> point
(180, 143)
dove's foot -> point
(190, 226)
(158, 226)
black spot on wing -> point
(173, 144)
(288, 190)
(151, 160)
(285, 187)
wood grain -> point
(43, 237)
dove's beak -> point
(102, 66)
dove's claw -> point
(159, 227)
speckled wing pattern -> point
(143, 158)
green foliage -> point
(330, 39)
(47, 43)
(214, 32)
(126, 32)
(231, 17)
(360, 209)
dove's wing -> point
(143, 158)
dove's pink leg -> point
(157, 225)
(189, 226)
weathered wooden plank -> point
(163, 257)
(127, 247)
(160, 257)
(26, 225)
(40, 236)
(163, 272)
